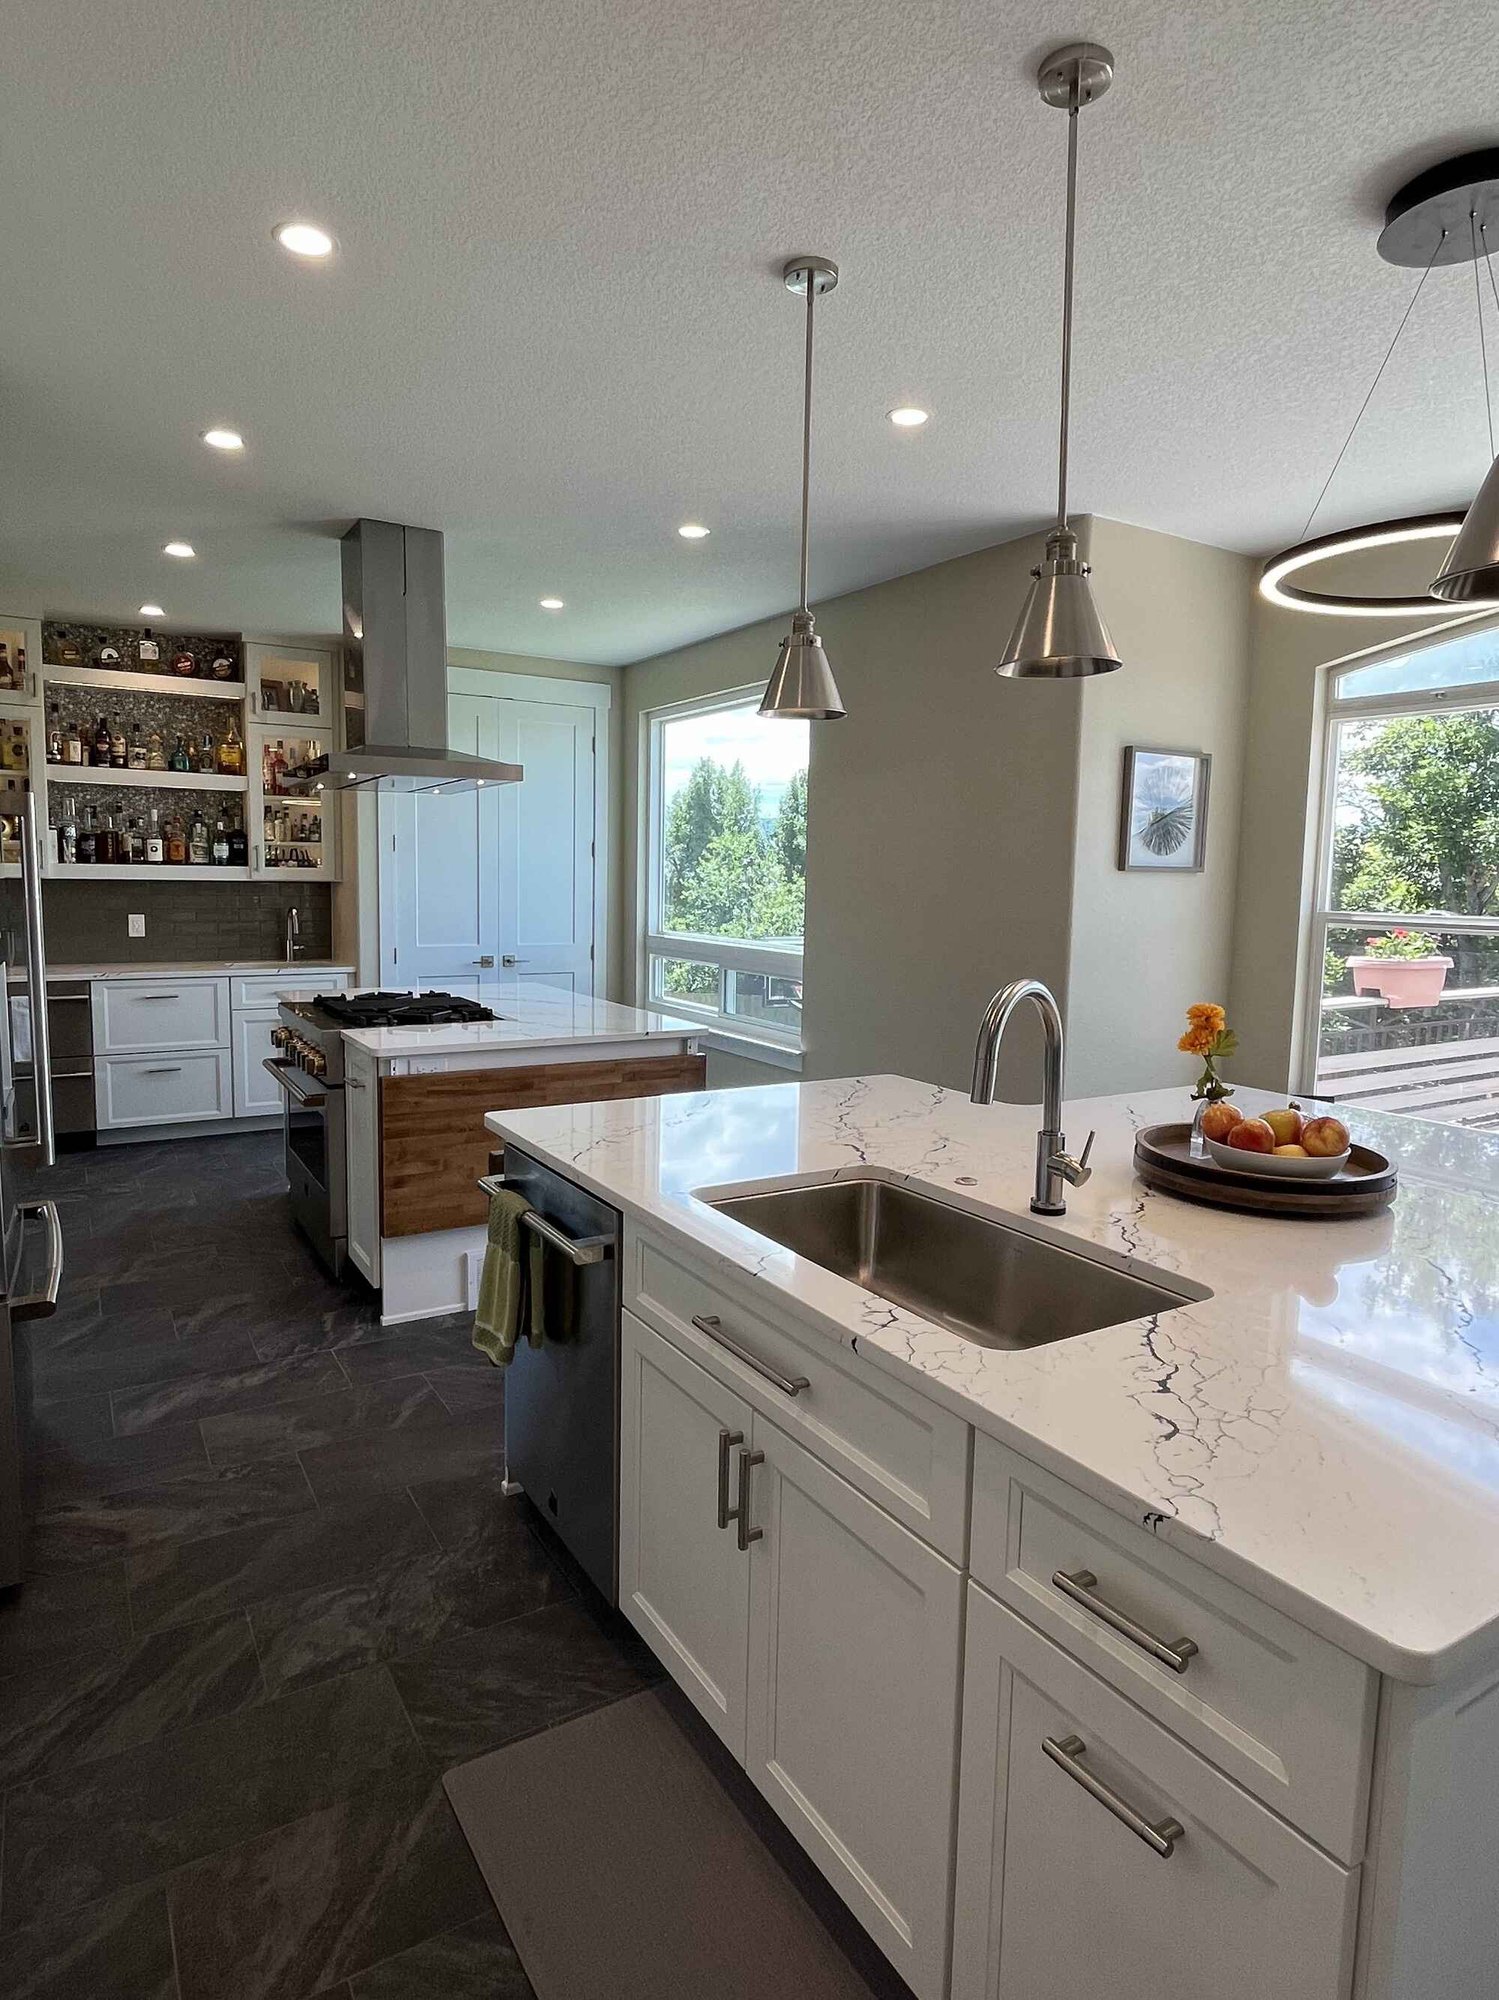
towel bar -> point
(577, 1250)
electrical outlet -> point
(137, 926)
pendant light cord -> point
(807, 433)
(1369, 398)
(1483, 345)
(1073, 106)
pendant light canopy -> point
(802, 687)
(1059, 634)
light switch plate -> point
(137, 926)
(472, 1268)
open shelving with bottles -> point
(295, 826)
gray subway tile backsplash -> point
(87, 921)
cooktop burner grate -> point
(400, 1010)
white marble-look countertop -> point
(179, 968)
(531, 1014)
(1324, 1429)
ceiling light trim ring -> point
(1350, 541)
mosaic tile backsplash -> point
(183, 715)
(86, 921)
(92, 641)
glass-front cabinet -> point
(294, 824)
(290, 685)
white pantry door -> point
(500, 880)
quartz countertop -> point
(1324, 1429)
(530, 1014)
(181, 968)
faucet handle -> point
(1075, 1172)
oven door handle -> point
(42, 1304)
(290, 1080)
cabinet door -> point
(293, 835)
(256, 1093)
(1058, 1897)
(854, 1660)
(362, 1162)
(173, 1088)
(684, 1582)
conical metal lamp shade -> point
(802, 687)
(1470, 574)
(1059, 635)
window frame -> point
(729, 955)
(1321, 917)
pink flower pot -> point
(1402, 982)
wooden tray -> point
(1163, 1160)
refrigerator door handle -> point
(42, 1304)
(36, 985)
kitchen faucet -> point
(1054, 1164)
(293, 935)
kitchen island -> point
(416, 1142)
(1234, 1563)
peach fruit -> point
(1286, 1125)
(1252, 1135)
(1219, 1119)
(1324, 1138)
(1291, 1152)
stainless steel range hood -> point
(395, 692)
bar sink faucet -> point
(293, 934)
(1054, 1164)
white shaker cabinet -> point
(683, 1581)
(1059, 1894)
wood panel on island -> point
(433, 1141)
(150, 751)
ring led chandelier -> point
(1448, 215)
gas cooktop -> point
(399, 1010)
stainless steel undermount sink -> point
(986, 1280)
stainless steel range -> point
(309, 1066)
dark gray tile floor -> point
(276, 1593)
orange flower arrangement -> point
(1208, 1035)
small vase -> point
(1211, 1089)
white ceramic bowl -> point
(1276, 1166)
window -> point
(1405, 936)
(727, 865)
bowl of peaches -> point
(1283, 1144)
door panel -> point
(683, 1581)
(546, 844)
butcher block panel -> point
(434, 1145)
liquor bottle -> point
(239, 845)
(21, 676)
(199, 846)
(101, 742)
(156, 756)
(134, 844)
(88, 837)
(67, 840)
(148, 652)
(13, 747)
(7, 672)
(275, 767)
(220, 843)
(119, 752)
(176, 841)
(72, 745)
(179, 760)
(208, 756)
(54, 734)
(232, 752)
(138, 753)
(106, 841)
(156, 849)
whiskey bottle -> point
(208, 756)
(147, 651)
(156, 756)
(101, 743)
(198, 844)
(88, 837)
(232, 752)
(134, 844)
(220, 843)
(72, 745)
(155, 845)
(119, 752)
(176, 841)
(54, 734)
(7, 672)
(21, 677)
(106, 842)
(239, 845)
(138, 753)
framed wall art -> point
(1163, 811)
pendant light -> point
(802, 685)
(1059, 635)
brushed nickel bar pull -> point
(576, 1249)
(726, 1443)
(712, 1325)
(743, 1531)
(1080, 1584)
(1160, 1835)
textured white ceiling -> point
(555, 327)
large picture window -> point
(727, 866)
(1405, 958)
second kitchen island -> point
(415, 1099)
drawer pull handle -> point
(726, 1442)
(164, 1069)
(1159, 1835)
(1080, 1584)
(744, 1533)
(159, 996)
(789, 1385)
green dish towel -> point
(510, 1285)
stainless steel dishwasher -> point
(562, 1398)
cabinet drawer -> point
(136, 1015)
(889, 1442)
(170, 1088)
(264, 989)
(1058, 1896)
(1286, 1713)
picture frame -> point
(1163, 811)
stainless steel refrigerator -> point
(30, 1230)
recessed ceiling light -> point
(224, 440)
(181, 549)
(551, 604)
(152, 611)
(694, 531)
(304, 239)
(908, 417)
